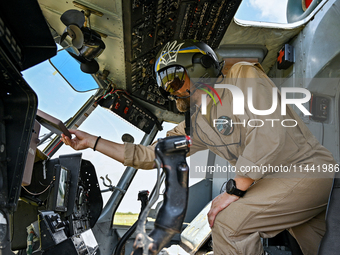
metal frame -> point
(103, 230)
(246, 23)
(77, 119)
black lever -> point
(171, 156)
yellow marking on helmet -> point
(180, 51)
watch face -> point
(230, 186)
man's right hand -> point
(81, 141)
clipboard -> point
(53, 124)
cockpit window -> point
(55, 96)
(263, 10)
(69, 69)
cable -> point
(116, 92)
(37, 194)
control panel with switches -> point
(149, 25)
(121, 104)
(320, 106)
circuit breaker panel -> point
(121, 104)
(151, 24)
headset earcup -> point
(207, 61)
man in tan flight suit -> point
(267, 203)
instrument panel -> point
(148, 25)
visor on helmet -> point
(171, 78)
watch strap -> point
(238, 192)
(233, 190)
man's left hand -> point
(218, 204)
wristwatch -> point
(232, 190)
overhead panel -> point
(148, 25)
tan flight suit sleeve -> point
(142, 157)
(263, 145)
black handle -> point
(171, 152)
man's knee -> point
(223, 221)
(233, 218)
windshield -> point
(263, 11)
(55, 96)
